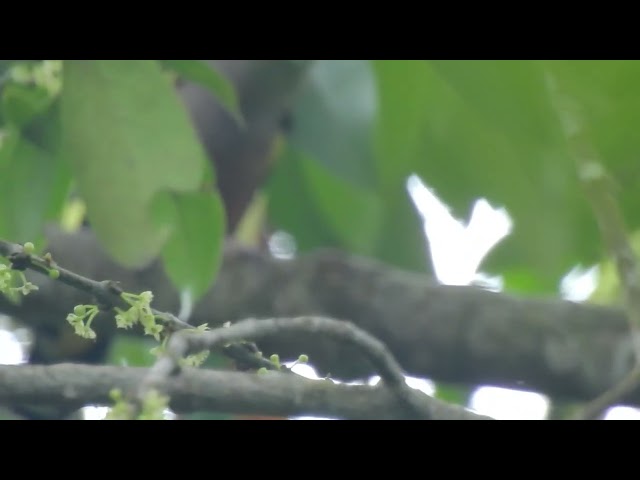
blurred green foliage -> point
(116, 134)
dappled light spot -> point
(425, 386)
(99, 413)
(622, 413)
(457, 249)
(507, 404)
(11, 352)
(95, 413)
(282, 245)
(579, 283)
(304, 370)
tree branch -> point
(447, 333)
(599, 191)
(73, 386)
(186, 342)
(107, 294)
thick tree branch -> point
(448, 333)
(70, 386)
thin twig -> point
(387, 367)
(595, 408)
(599, 187)
(107, 294)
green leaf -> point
(327, 210)
(333, 119)
(28, 184)
(131, 351)
(127, 138)
(351, 212)
(607, 95)
(496, 137)
(402, 241)
(456, 394)
(5, 66)
(9, 138)
(200, 72)
(404, 103)
(292, 207)
(331, 170)
(193, 253)
(510, 95)
(21, 103)
(402, 106)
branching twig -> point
(107, 294)
(229, 339)
(598, 187)
(595, 408)
(183, 343)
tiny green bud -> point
(28, 248)
(54, 274)
(146, 297)
(262, 370)
(275, 358)
(303, 358)
(80, 310)
(116, 394)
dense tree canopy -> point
(273, 195)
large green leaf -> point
(333, 119)
(511, 95)
(193, 252)
(128, 138)
(405, 100)
(454, 393)
(488, 129)
(351, 212)
(403, 107)
(130, 351)
(9, 138)
(206, 75)
(34, 181)
(331, 159)
(31, 182)
(470, 129)
(402, 241)
(21, 103)
(607, 94)
(292, 207)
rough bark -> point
(447, 333)
(68, 387)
